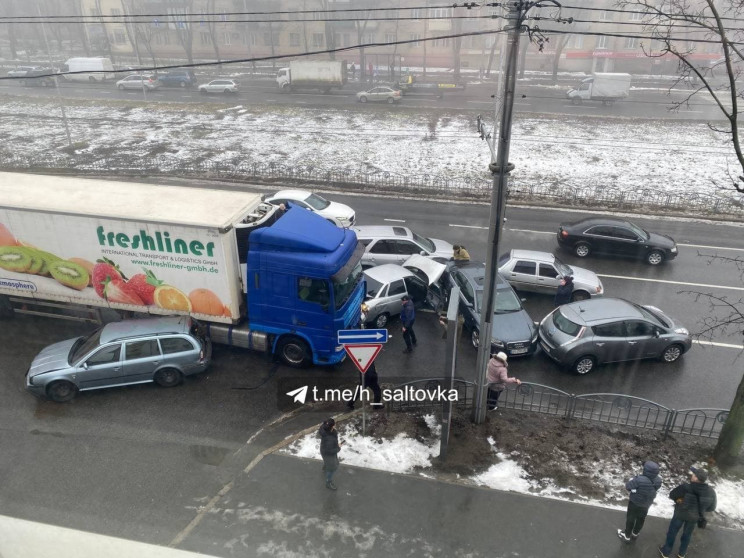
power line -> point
(659, 13)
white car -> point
(542, 272)
(138, 81)
(395, 244)
(219, 86)
(337, 213)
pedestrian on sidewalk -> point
(498, 378)
(408, 317)
(329, 448)
(353, 71)
(691, 501)
(642, 491)
(368, 380)
(565, 291)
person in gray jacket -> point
(329, 448)
(642, 491)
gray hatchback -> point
(161, 350)
(582, 335)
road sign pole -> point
(450, 361)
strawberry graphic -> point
(105, 270)
(116, 290)
(144, 285)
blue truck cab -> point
(304, 283)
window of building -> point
(319, 16)
(120, 37)
(370, 38)
(226, 39)
(631, 42)
(294, 39)
(115, 12)
(605, 16)
(416, 38)
(268, 37)
(390, 38)
(249, 39)
(440, 42)
(205, 38)
(166, 39)
(441, 13)
(578, 41)
(636, 15)
(317, 40)
(416, 13)
(602, 42)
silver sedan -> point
(542, 272)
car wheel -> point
(362, 99)
(294, 352)
(672, 353)
(182, 85)
(475, 338)
(382, 320)
(120, 87)
(582, 249)
(579, 295)
(390, 100)
(168, 377)
(584, 365)
(226, 91)
(61, 391)
(655, 257)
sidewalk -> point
(279, 506)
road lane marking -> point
(529, 231)
(468, 227)
(681, 283)
(711, 247)
(716, 344)
(395, 220)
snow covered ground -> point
(626, 155)
(408, 456)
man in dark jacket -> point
(565, 291)
(329, 448)
(369, 380)
(407, 317)
(642, 491)
(691, 501)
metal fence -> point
(608, 408)
(477, 188)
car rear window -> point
(171, 345)
(565, 325)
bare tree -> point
(700, 22)
(103, 37)
(212, 27)
(130, 28)
(11, 31)
(330, 36)
(183, 26)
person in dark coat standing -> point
(408, 317)
(329, 448)
(565, 291)
(642, 492)
(369, 380)
(691, 501)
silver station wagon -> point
(160, 350)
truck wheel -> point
(295, 352)
(61, 391)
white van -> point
(101, 69)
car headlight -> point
(682, 331)
(674, 250)
(498, 343)
(534, 337)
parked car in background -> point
(39, 77)
(582, 335)
(219, 86)
(615, 237)
(177, 78)
(138, 81)
(386, 94)
(386, 285)
(21, 71)
(160, 350)
(542, 272)
(394, 244)
(337, 213)
(514, 332)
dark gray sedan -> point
(160, 350)
(514, 332)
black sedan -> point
(615, 237)
(513, 332)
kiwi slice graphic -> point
(15, 258)
(47, 259)
(69, 274)
(37, 262)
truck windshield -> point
(342, 289)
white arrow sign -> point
(350, 336)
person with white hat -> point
(498, 378)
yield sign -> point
(363, 355)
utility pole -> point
(500, 169)
(56, 79)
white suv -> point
(393, 244)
